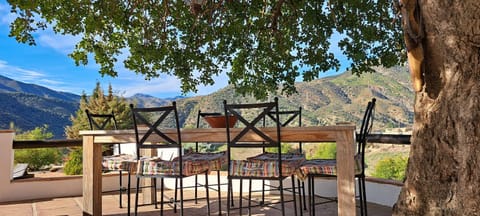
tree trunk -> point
(443, 173)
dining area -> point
(149, 134)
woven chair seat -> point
(288, 157)
(264, 165)
(157, 166)
(324, 167)
(121, 162)
(215, 160)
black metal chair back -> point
(251, 124)
(102, 122)
(287, 118)
(366, 127)
(157, 120)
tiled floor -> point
(73, 206)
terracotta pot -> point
(218, 121)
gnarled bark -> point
(443, 174)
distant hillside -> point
(28, 111)
(143, 100)
(10, 85)
(324, 102)
(329, 100)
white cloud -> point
(30, 76)
(166, 85)
(21, 74)
(60, 43)
(5, 16)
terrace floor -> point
(73, 206)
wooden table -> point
(343, 135)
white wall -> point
(27, 189)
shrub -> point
(286, 148)
(74, 166)
(38, 158)
(324, 151)
(391, 168)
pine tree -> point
(98, 102)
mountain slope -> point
(323, 101)
(28, 111)
(10, 85)
(330, 100)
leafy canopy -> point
(262, 45)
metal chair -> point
(327, 167)
(120, 162)
(288, 118)
(274, 166)
(150, 126)
(216, 161)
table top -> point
(288, 134)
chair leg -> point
(311, 186)
(136, 196)
(128, 192)
(196, 192)
(360, 193)
(263, 192)
(162, 196)
(249, 196)
(282, 200)
(300, 196)
(121, 188)
(207, 193)
(364, 194)
(181, 196)
(231, 195)
(241, 195)
(294, 196)
(219, 194)
(154, 183)
(175, 197)
(304, 199)
(229, 191)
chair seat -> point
(325, 167)
(215, 160)
(266, 165)
(289, 157)
(156, 166)
(121, 162)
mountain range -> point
(323, 101)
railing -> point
(17, 144)
(389, 139)
(372, 138)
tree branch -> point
(277, 12)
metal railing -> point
(27, 144)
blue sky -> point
(48, 65)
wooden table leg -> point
(345, 172)
(92, 177)
(147, 192)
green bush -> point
(286, 148)
(391, 168)
(324, 151)
(38, 158)
(74, 166)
